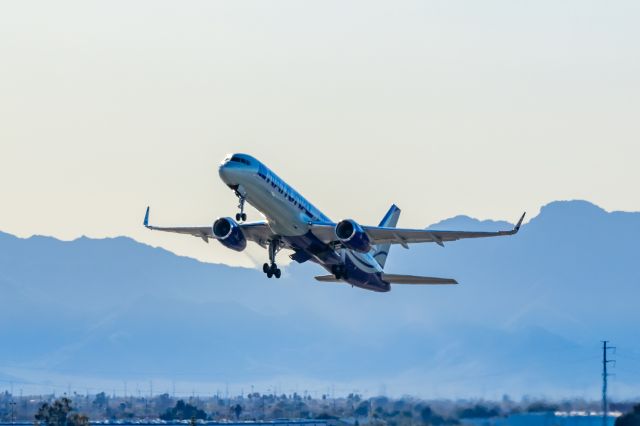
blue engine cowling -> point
(227, 231)
(353, 236)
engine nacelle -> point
(353, 236)
(227, 231)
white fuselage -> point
(288, 213)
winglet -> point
(146, 218)
(519, 224)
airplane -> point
(352, 253)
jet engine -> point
(353, 236)
(228, 232)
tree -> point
(183, 411)
(541, 407)
(77, 419)
(354, 397)
(163, 402)
(630, 419)
(237, 410)
(100, 400)
(479, 411)
(363, 409)
(430, 418)
(425, 414)
(59, 414)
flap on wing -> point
(414, 279)
(258, 232)
(325, 231)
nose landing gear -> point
(242, 216)
(271, 268)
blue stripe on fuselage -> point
(292, 196)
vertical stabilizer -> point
(390, 220)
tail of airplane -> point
(390, 220)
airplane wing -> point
(258, 232)
(404, 237)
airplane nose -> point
(227, 174)
(223, 171)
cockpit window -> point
(240, 160)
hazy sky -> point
(443, 107)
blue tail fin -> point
(390, 220)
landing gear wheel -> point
(271, 269)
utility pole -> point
(13, 408)
(605, 375)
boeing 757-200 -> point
(350, 252)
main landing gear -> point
(271, 269)
(242, 216)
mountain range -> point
(527, 318)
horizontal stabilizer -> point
(397, 279)
(414, 279)
(328, 279)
